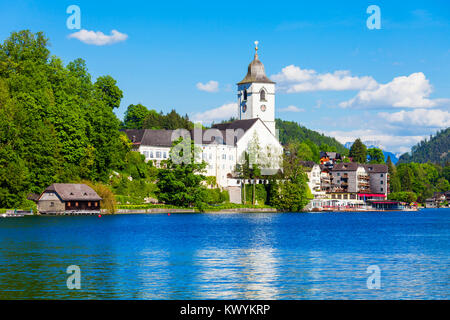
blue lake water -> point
(228, 256)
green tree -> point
(289, 190)
(109, 92)
(375, 155)
(135, 116)
(180, 182)
(358, 151)
(405, 196)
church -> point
(224, 145)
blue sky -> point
(333, 74)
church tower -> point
(256, 94)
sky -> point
(389, 85)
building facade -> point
(69, 198)
(223, 146)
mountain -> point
(290, 131)
(374, 144)
(435, 150)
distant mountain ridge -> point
(374, 144)
(435, 150)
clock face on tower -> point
(244, 108)
(263, 107)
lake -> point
(228, 256)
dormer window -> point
(245, 94)
(262, 95)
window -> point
(224, 156)
(381, 175)
(76, 204)
(158, 154)
(52, 204)
(381, 182)
(89, 204)
(210, 156)
(146, 154)
(165, 155)
(68, 204)
(245, 94)
(262, 95)
(151, 154)
(338, 174)
(381, 189)
(96, 204)
(204, 156)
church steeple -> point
(255, 71)
(256, 94)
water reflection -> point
(237, 256)
(237, 273)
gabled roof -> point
(73, 192)
(159, 138)
(376, 168)
(346, 166)
(163, 138)
(308, 164)
(237, 124)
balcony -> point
(363, 177)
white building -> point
(223, 146)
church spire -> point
(255, 72)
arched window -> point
(262, 95)
(245, 94)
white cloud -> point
(406, 91)
(433, 118)
(223, 112)
(210, 86)
(292, 109)
(98, 38)
(293, 79)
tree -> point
(304, 152)
(135, 116)
(180, 183)
(289, 190)
(55, 123)
(108, 91)
(394, 184)
(358, 152)
(375, 155)
(406, 196)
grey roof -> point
(353, 166)
(376, 168)
(237, 124)
(148, 137)
(346, 166)
(73, 192)
(163, 138)
(135, 135)
(256, 73)
(308, 164)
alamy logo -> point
(374, 280)
(374, 21)
(74, 280)
(74, 20)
